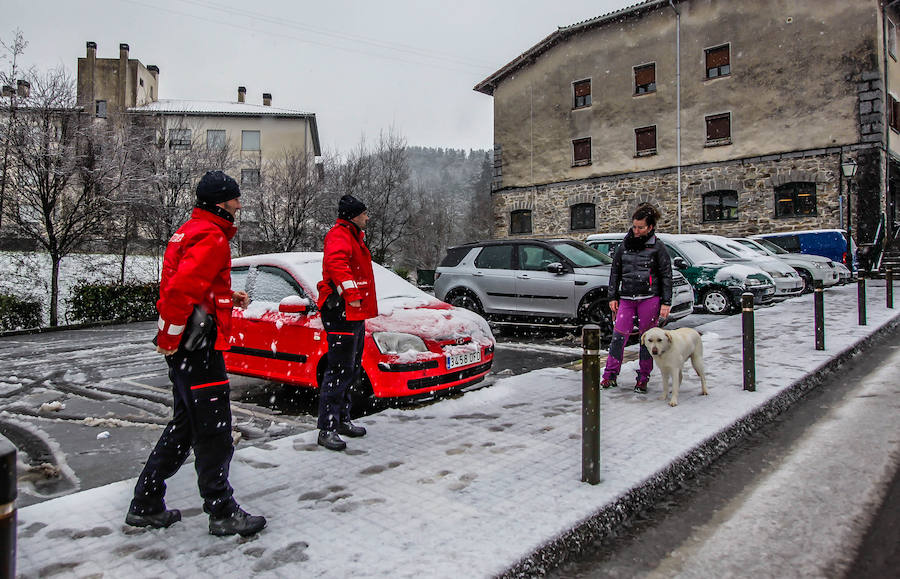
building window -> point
(720, 206)
(645, 141)
(101, 109)
(718, 61)
(718, 129)
(180, 139)
(645, 79)
(582, 94)
(893, 112)
(581, 152)
(215, 139)
(796, 199)
(582, 216)
(250, 140)
(520, 221)
(892, 39)
(141, 81)
(249, 177)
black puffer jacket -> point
(641, 267)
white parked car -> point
(788, 282)
(810, 267)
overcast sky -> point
(360, 66)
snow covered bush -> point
(93, 302)
(17, 314)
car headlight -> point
(819, 265)
(396, 342)
(753, 282)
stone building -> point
(733, 117)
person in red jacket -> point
(195, 301)
(346, 300)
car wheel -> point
(716, 301)
(465, 299)
(597, 312)
(807, 281)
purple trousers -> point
(647, 312)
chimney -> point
(123, 78)
(242, 93)
(23, 88)
(154, 70)
(267, 99)
(123, 50)
(91, 49)
(8, 91)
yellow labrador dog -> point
(670, 350)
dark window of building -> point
(141, 81)
(101, 109)
(718, 129)
(645, 79)
(892, 39)
(180, 139)
(582, 216)
(718, 61)
(581, 152)
(795, 199)
(720, 206)
(893, 113)
(645, 141)
(495, 257)
(582, 93)
(250, 177)
(520, 221)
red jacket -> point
(196, 270)
(348, 265)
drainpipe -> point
(678, 102)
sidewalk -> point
(487, 484)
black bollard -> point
(7, 508)
(590, 404)
(889, 288)
(819, 301)
(749, 326)
(861, 299)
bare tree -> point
(289, 202)
(8, 78)
(63, 170)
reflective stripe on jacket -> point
(348, 266)
(196, 271)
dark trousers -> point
(345, 349)
(202, 421)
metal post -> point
(590, 404)
(889, 288)
(749, 327)
(861, 299)
(819, 300)
(7, 508)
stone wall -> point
(754, 179)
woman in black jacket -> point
(640, 284)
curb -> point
(50, 329)
(610, 518)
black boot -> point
(239, 522)
(158, 520)
(349, 429)
(330, 440)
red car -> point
(417, 345)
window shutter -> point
(717, 57)
(582, 88)
(645, 75)
(645, 139)
(582, 150)
(718, 127)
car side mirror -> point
(679, 263)
(293, 305)
(556, 268)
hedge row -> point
(18, 314)
(93, 302)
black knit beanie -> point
(217, 187)
(349, 207)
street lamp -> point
(848, 169)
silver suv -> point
(530, 281)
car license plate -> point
(457, 360)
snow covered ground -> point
(469, 487)
(27, 275)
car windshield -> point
(771, 246)
(697, 252)
(580, 254)
(749, 243)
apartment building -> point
(733, 117)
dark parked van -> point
(831, 243)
